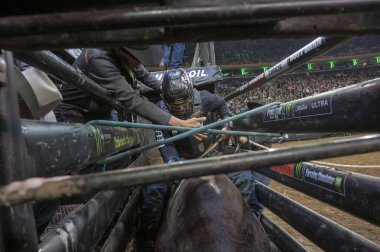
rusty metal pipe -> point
(163, 16)
(51, 188)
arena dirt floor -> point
(366, 229)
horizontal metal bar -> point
(355, 193)
(180, 129)
(347, 24)
(36, 7)
(51, 188)
(327, 234)
(61, 148)
(350, 109)
(163, 16)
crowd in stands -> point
(294, 86)
(274, 50)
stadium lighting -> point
(226, 74)
(354, 62)
(244, 71)
(310, 66)
(265, 68)
(332, 64)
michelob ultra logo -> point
(297, 170)
(288, 110)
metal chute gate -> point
(38, 160)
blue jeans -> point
(153, 198)
(175, 52)
(245, 183)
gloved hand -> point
(226, 138)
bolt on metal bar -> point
(51, 188)
(180, 129)
(187, 134)
(327, 234)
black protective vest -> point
(196, 148)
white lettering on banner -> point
(192, 73)
(159, 76)
(319, 176)
(328, 179)
(197, 73)
(313, 45)
(312, 105)
(275, 69)
(317, 104)
(274, 114)
(305, 50)
(295, 56)
(301, 107)
(256, 79)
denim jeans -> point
(173, 55)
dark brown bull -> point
(209, 214)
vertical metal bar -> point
(1, 238)
(122, 231)
(18, 225)
(327, 234)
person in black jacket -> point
(118, 70)
(183, 101)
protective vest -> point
(196, 148)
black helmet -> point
(177, 92)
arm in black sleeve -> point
(147, 78)
(215, 103)
(106, 73)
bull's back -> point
(209, 214)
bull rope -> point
(188, 133)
